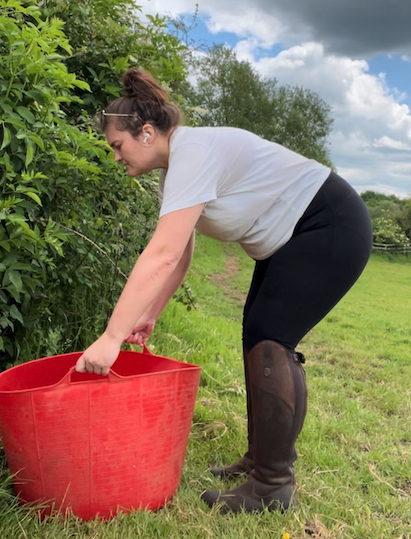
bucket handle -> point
(110, 377)
(146, 350)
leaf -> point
(26, 114)
(6, 137)
(92, 72)
(29, 232)
(14, 120)
(16, 281)
(36, 139)
(81, 84)
(22, 266)
(22, 134)
(13, 293)
(16, 218)
(29, 153)
(7, 108)
(35, 197)
(16, 314)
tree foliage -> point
(404, 218)
(391, 217)
(231, 93)
(372, 198)
(301, 121)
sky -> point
(356, 54)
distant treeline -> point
(391, 217)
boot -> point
(245, 464)
(279, 405)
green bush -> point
(391, 217)
(385, 230)
(71, 224)
(107, 37)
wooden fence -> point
(392, 248)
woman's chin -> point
(132, 172)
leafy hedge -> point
(71, 223)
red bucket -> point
(93, 444)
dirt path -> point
(225, 280)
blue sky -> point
(356, 58)
(397, 71)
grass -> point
(354, 470)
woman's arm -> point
(175, 280)
(144, 327)
(150, 275)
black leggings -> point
(292, 290)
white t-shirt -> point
(254, 191)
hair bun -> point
(141, 85)
(145, 101)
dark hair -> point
(146, 100)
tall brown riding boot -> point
(245, 464)
(279, 405)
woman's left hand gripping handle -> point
(100, 356)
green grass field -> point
(354, 470)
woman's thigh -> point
(298, 285)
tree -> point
(301, 121)
(372, 198)
(231, 93)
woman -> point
(306, 228)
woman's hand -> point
(100, 356)
(141, 332)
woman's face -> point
(139, 155)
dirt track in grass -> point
(225, 280)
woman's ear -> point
(147, 134)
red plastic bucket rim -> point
(112, 376)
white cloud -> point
(387, 142)
(246, 48)
(402, 170)
(370, 125)
(240, 18)
(165, 7)
(248, 22)
(342, 82)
